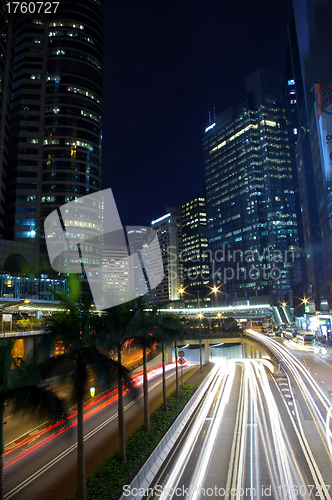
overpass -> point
(246, 314)
(259, 312)
(278, 314)
(245, 346)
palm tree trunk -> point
(177, 370)
(121, 419)
(164, 377)
(2, 453)
(146, 425)
(80, 494)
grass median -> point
(108, 479)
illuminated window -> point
(83, 92)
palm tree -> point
(116, 327)
(132, 321)
(75, 326)
(144, 324)
(166, 334)
(20, 385)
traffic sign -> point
(181, 361)
(181, 354)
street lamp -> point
(215, 290)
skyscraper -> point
(310, 45)
(55, 122)
(6, 63)
(194, 264)
(253, 240)
(168, 228)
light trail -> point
(182, 460)
(261, 445)
(302, 378)
(23, 484)
(210, 440)
(93, 406)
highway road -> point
(258, 434)
(35, 464)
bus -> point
(305, 338)
(290, 333)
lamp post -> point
(181, 292)
(215, 291)
(200, 336)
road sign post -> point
(181, 361)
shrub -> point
(108, 479)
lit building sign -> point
(210, 127)
(160, 219)
(324, 117)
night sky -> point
(167, 64)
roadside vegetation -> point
(108, 479)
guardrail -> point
(148, 472)
(8, 335)
(275, 360)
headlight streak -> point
(327, 430)
(243, 441)
(322, 426)
(278, 445)
(71, 448)
(232, 474)
(265, 435)
(268, 425)
(295, 366)
(258, 422)
(210, 440)
(314, 469)
(182, 460)
(66, 452)
(286, 459)
(97, 403)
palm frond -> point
(38, 400)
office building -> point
(168, 229)
(310, 45)
(252, 230)
(6, 66)
(55, 122)
(194, 260)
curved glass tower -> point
(56, 115)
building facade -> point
(55, 122)
(310, 44)
(194, 259)
(6, 69)
(253, 236)
(168, 229)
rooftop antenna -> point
(209, 117)
(214, 112)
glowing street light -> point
(305, 300)
(215, 290)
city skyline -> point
(165, 68)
